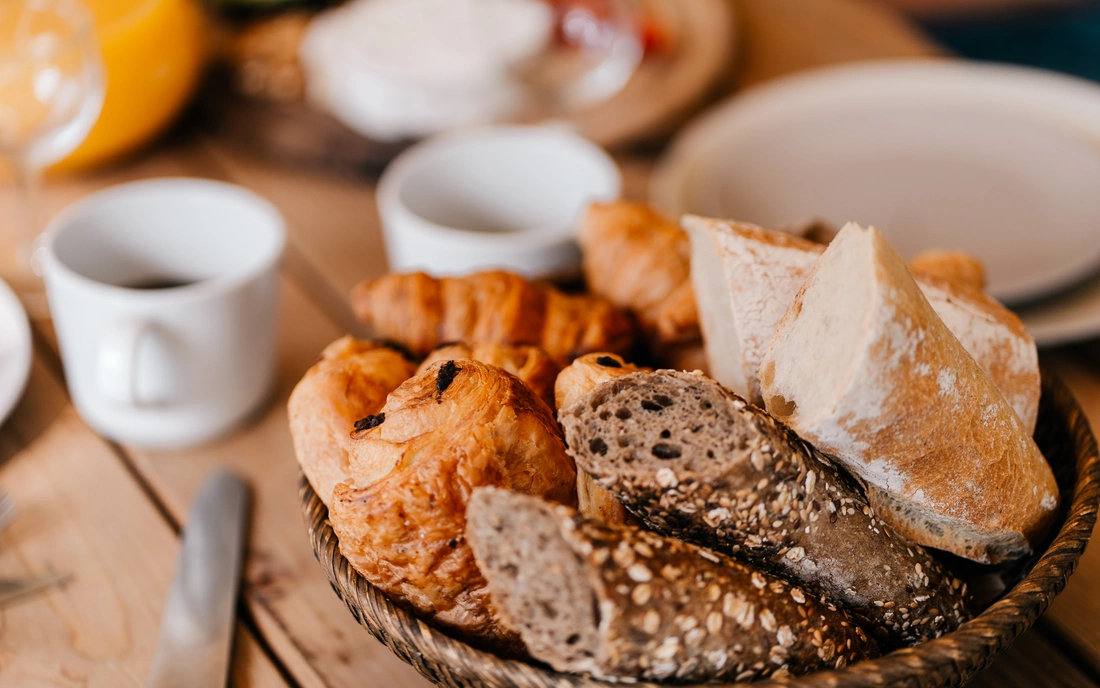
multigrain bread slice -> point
(894, 396)
(623, 603)
(746, 277)
(697, 462)
(576, 380)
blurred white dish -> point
(1000, 161)
(492, 197)
(15, 350)
(1066, 317)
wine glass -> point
(51, 92)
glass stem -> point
(27, 180)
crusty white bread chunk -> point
(745, 277)
(863, 367)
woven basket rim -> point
(948, 660)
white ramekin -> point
(493, 197)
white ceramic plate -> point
(15, 350)
(1003, 162)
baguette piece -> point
(894, 396)
(457, 425)
(349, 383)
(529, 363)
(576, 380)
(618, 602)
(639, 260)
(698, 463)
(421, 312)
(747, 277)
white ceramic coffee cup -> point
(171, 366)
(493, 197)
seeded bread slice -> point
(619, 602)
(697, 462)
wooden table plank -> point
(1032, 660)
(82, 511)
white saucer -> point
(1003, 162)
(15, 350)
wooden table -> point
(111, 514)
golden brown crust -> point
(576, 380)
(529, 363)
(956, 267)
(639, 260)
(350, 382)
(454, 427)
(420, 312)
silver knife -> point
(196, 632)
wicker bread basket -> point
(1064, 436)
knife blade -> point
(196, 631)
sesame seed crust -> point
(696, 618)
(746, 485)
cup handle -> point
(116, 364)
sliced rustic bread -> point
(746, 277)
(863, 367)
(623, 603)
(697, 462)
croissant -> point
(576, 380)
(529, 363)
(420, 312)
(350, 382)
(455, 426)
(640, 260)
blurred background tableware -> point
(15, 350)
(403, 69)
(994, 160)
(349, 87)
(163, 293)
(493, 197)
(51, 90)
